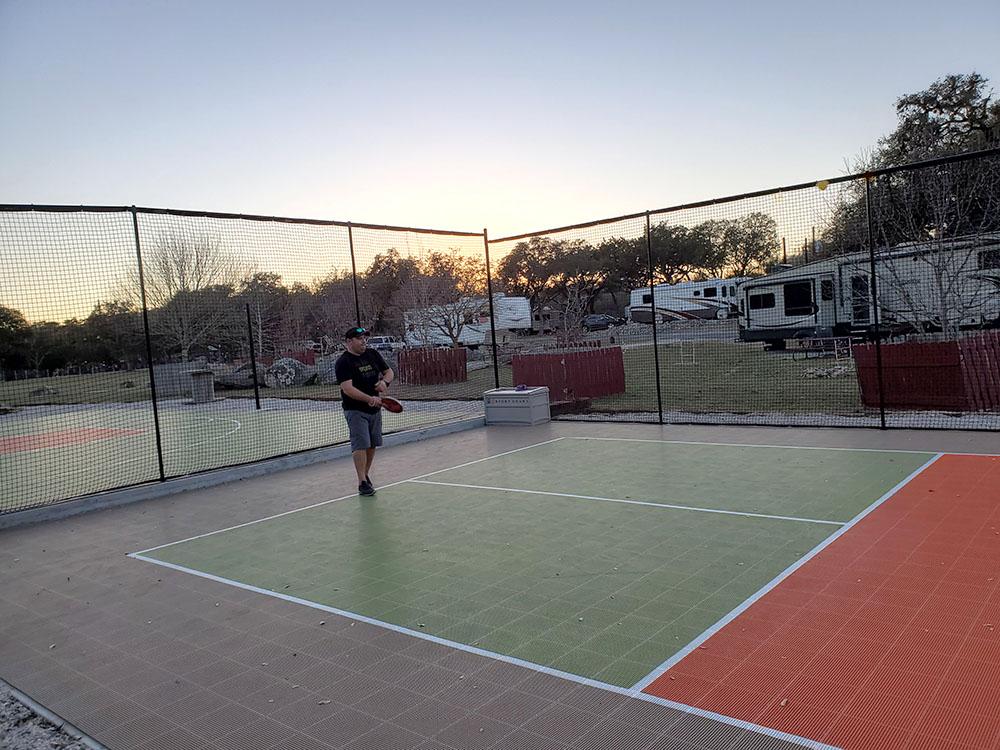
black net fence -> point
(143, 345)
(138, 345)
(868, 300)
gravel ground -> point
(23, 729)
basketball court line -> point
(693, 645)
(783, 447)
(628, 692)
(631, 502)
(338, 499)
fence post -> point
(149, 344)
(873, 293)
(354, 276)
(493, 328)
(253, 359)
(652, 311)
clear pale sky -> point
(514, 115)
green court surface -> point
(53, 453)
(602, 590)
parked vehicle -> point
(385, 343)
(711, 299)
(601, 322)
(922, 287)
(467, 321)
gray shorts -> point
(365, 429)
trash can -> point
(202, 386)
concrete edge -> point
(57, 721)
(153, 490)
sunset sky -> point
(514, 116)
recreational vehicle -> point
(922, 287)
(468, 321)
(711, 299)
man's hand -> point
(374, 401)
(381, 386)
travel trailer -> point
(921, 287)
(469, 318)
(712, 299)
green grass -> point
(723, 378)
(131, 387)
(736, 378)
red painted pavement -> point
(888, 638)
(60, 438)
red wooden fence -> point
(571, 376)
(961, 375)
(433, 366)
(981, 370)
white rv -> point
(711, 299)
(468, 320)
(944, 284)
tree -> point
(14, 335)
(190, 280)
(331, 307)
(527, 270)
(625, 264)
(577, 272)
(679, 253)
(747, 246)
(447, 294)
(113, 332)
(52, 346)
(955, 114)
(267, 298)
(379, 286)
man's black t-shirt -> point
(363, 370)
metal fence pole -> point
(493, 328)
(354, 276)
(149, 345)
(873, 292)
(253, 359)
(652, 311)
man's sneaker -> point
(366, 489)
(369, 480)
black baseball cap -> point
(354, 333)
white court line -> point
(673, 660)
(345, 497)
(631, 502)
(629, 692)
(787, 447)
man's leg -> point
(375, 438)
(360, 445)
(361, 463)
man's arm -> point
(348, 388)
(387, 377)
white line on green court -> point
(629, 692)
(783, 447)
(338, 499)
(632, 502)
(673, 660)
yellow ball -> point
(822, 184)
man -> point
(363, 376)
